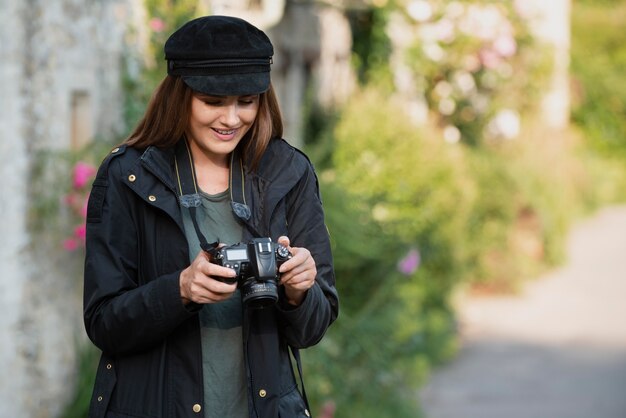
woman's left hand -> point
(297, 274)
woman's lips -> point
(225, 133)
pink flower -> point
(409, 264)
(82, 174)
(156, 24)
(489, 58)
(328, 410)
(70, 244)
(80, 231)
(505, 46)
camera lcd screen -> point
(239, 254)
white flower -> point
(480, 103)
(447, 106)
(484, 22)
(505, 125)
(400, 31)
(505, 45)
(471, 63)
(420, 10)
(451, 134)
(444, 30)
(443, 89)
(434, 52)
(417, 109)
(464, 81)
(455, 10)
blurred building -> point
(61, 67)
(312, 52)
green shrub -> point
(487, 216)
(599, 86)
(393, 191)
(532, 189)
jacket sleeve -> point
(123, 312)
(306, 324)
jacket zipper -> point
(251, 393)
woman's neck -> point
(212, 172)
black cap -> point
(220, 55)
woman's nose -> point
(230, 116)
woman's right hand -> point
(201, 281)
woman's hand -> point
(297, 274)
(200, 282)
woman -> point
(205, 164)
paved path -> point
(557, 350)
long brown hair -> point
(168, 112)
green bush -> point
(531, 190)
(393, 190)
(599, 87)
(487, 217)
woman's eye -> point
(248, 100)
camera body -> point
(256, 264)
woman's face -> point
(218, 123)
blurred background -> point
(456, 143)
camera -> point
(256, 264)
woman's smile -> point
(225, 134)
(218, 123)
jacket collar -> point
(279, 168)
(159, 161)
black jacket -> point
(136, 249)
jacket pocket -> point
(96, 201)
(292, 405)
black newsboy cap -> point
(220, 55)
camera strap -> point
(190, 198)
(296, 355)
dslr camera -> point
(256, 264)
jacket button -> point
(197, 408)
(262, 393)
(109, 366)
(152, 198)
(99, 398)
(132, 178)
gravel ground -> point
(555, 350)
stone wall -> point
(61, 64)
(13, 209)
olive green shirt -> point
(225, 387)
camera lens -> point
(259, 294)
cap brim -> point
(229, 84)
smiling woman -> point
(205, 164)
(216, 126)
